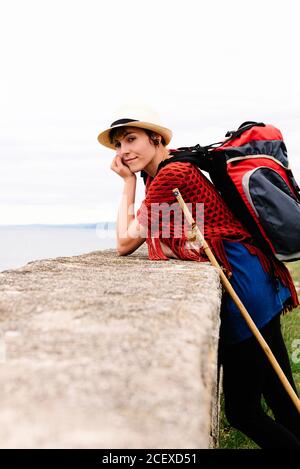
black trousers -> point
(247, 376)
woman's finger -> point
(114, 164)
(120, 168)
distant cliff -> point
(101, 351)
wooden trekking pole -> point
(237, 301)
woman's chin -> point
(136, 169)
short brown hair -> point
(119, 132)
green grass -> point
(233, 439)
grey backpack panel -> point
(277, 210)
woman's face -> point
(135, 149)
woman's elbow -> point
(122, 251)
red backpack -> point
(251, 171)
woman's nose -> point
(122, 150)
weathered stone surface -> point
(101, 351)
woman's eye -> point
(130, 139)
(117, 145)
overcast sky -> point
(205, 66)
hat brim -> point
(104, 138)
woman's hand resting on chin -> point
(121, 169)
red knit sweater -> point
(218, 220)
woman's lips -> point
(130, 159)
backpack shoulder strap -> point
(196, 155)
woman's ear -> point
(156, 139)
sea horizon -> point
(101, 223)
(23, 243)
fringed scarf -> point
(216, 221)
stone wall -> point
(101, 351)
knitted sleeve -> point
(160, 207)
(162, 216)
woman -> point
(263, 283)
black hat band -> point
(123, 121)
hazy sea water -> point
(20, 244)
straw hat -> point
(140, 117)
